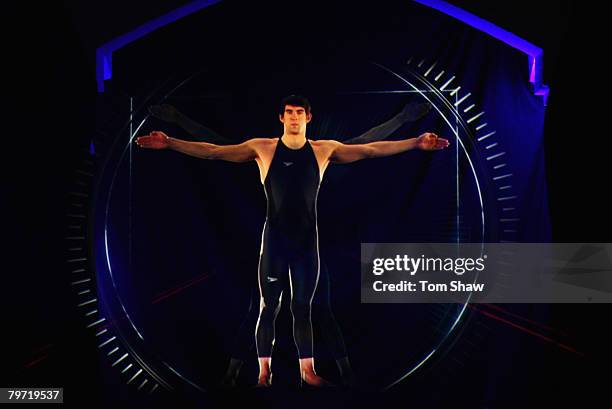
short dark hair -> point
(296, 101)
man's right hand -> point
(164, 112)
(155, 140)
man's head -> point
(294, 113)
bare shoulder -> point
(262, 142)
(263, 147)
(325, 144)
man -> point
(321, 304)
(291, 170)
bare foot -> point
(264, 381)
(313, 379)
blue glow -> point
(535, 54)
(104, 54)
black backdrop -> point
(51, 105)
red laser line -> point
(36, 361)
(528, 331)
(179, 289)
(36, 352)
(178, 286)
(165, 294)
(544, 326)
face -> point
(295, 119)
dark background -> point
(50, 104)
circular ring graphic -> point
(123, 342)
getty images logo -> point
(415, 264)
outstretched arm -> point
(234, 153)
(342, 153)
(201, 133)
(410, 113)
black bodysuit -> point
(289, 248)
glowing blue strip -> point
(535, 54)
(104, 54)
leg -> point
(326, 322)
(272, 276)
(244, 341)
(304, 275)
(231, 374)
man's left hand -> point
(431, 142)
